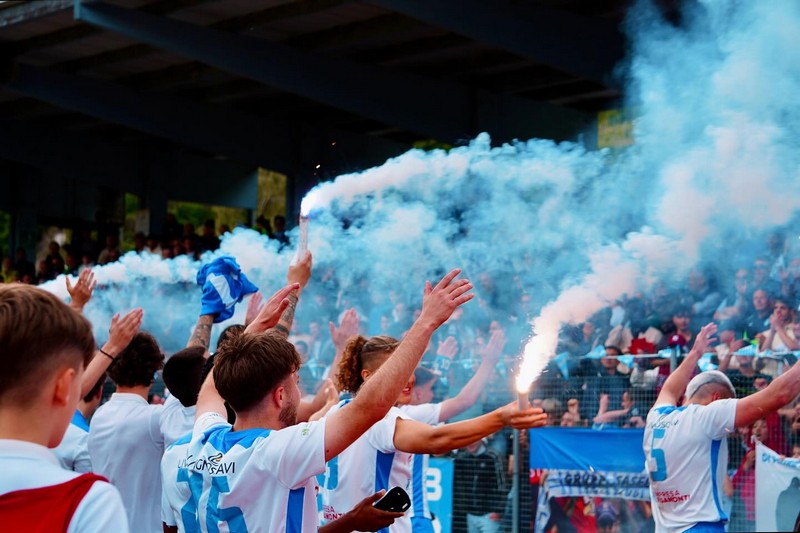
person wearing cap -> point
(686, 446)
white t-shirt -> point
(73, 452)
(30, 466)
(686, 452)
(176, 420)
(427, 413)
(368, 465)
(126, 445)
(253, 480)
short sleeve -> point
(294, 454)
(101, 510)
(718, 418)
(381, 435)
(427, 413)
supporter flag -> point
(224, 284)
(747, 350)
(777, 491)
(705, 363)
(597, 353)
(561, 361)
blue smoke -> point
(547, 231)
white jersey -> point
(427, 413)
(126, 445)
(368, 465)
(254, 480)
(73, 452)
(686, 452)
(30, 466)
(176, 420)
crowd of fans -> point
(609, 368)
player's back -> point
(368, 465)
(176, 420)
(254, 480)
(126, 445)
(686, 454)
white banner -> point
(777, 491)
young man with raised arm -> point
(260, 475)
(686, 447)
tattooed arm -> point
(298, 273)
(201, 336)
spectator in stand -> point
(153, 245)
(279, 234)
(636, 325)
(742, 377)
(733, 310)
(762, 268)
(678, 336)
(758, 320)
(209, 240)
(744, 480)
(263, 226)
(8, 274)
(44, 350)
(22, 265)
(629, 416)
(55, 261)
(704, 298)
(43, 274)
(780, 335)
(172, 228)
(479, 489)
(139, 242)
(606, 380)
(110, 253)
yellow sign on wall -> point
(614, 128)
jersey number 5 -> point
(660, 473)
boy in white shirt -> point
(44, 348)
(125, 440)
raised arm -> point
(81, 292)
(780, 392)
(209, 399)
(119, 336)
(298, 275)
(380, 392)
(676, 382)
(469, 394)
(415, 437)
(348, 327)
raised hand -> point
(270, 313)
(253, 307)
(122, 331)
(448, 348)
(494, 348)
(81, 292)
(300, 271)
(703, 340)
(532, 417)
(440, 301)
(348, 327)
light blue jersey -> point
(254, 480)
(427, 413)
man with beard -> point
(260, 473)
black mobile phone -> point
(395, 500)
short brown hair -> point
(137, 364)
(38, 334)
(250, 366)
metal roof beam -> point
(428, 107)
(581, 46)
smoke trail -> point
(546, 229)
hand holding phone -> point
(395, 500)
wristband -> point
(106, 354)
